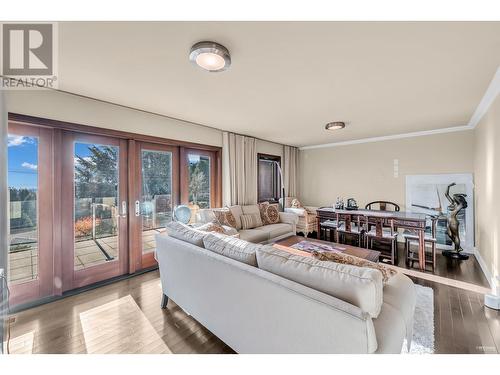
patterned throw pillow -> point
(296, 203)
(212, 227)
(250, 221)
(387, 272)
(269, 213)
(225, 217)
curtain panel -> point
(290, 170)
(239, 169)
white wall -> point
(366, 171)
(66, 107)
(487, 186)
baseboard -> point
(483, 266)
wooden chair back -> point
(382, 206)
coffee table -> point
(286, 243)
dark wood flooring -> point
(94, 321)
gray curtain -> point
(290, 170)
(240, 169)
(4, 213)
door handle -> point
(124, 209)
(137, 208)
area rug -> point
(311, 246)
(423, 325)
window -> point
(269, 185)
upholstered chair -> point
(308, 221)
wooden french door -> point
(154, 192)
(94, 209)
(30, 171)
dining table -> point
(412, 221)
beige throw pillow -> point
(387, 272)
(250, 221)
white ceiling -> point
(288, 79)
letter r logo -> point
(27, 49)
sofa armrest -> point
(296, 211)
(311, 210)
(289, 218)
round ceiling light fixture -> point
(336, 125)
(210, 56)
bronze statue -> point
(457, 204)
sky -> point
(23, 162)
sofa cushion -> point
(237, 212)
(253, 235)
(251, 209)
(185, 233)
(276, 230)
(250, 221)
(233, 248)
(361, 287)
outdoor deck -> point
(88, 253)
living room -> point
(250, 186)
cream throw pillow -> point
(250, 221)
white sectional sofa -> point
(264, 234)
(258, 299)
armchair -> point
(308, 221)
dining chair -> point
(328, 227)
(382, 206)
(429, 239)
(350, 228)
(388, 235)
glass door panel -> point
(23, 194)
(156, 195)
(198, 182)
(96, 211)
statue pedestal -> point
(452, 254)
(492, 301)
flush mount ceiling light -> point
(335, 125)
(210, 56)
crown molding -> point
(488, 98)
(483, 107)
(390, 137)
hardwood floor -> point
(125, 317)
